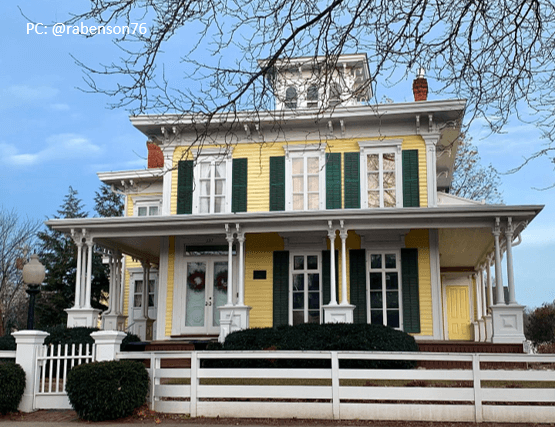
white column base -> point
(29, 343)
(508, 324)
(233, 318)
(482, 329)
(144, 328)
(87, 317)
(342, 313)
(113, 322)
(489, 327)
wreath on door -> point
(196, 281)
(221, 281)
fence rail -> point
(7, 355)
(494, 387)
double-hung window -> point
(384, 288)
(305, 178)
(147, 206)
(381, 174)
(212, 175)
(306, 296)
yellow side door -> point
(458, 313)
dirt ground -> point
(146, 417)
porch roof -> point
(140, 236)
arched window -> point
(312, 96)
(291, 97)
(335, 94)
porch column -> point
(241, 273)
(498, 273)
(112, 320)
(146, 282)
(509, 230)
(229, 237)
(490, 286)
(89, 273)
(331, 236)
(79, 244)
(478, 296)
(343, 236)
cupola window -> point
(291, 97)
(312, 96)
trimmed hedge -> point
(7, 343)
(324, 337)
(12, 379)
(107, 390)
(81, 335)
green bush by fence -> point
(12, 381)
(107, 390)
(315, 337)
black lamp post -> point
(33, 275)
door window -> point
(305, 289)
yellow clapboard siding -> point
(170, 286)
(420, 239)
(259, 293)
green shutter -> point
(352, 180)
(277, 183)
(185, 187)
(357, 274)
(411, 302)
(239, 186)
(333, 181)
(326, 277)
(281, 288)
(411, 189)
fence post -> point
(108, 344)
(28, 345)
(194, 384)
(477, 374)
(335, 385)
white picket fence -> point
(482, 391)
(52, 365)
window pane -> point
(391, 281)
(220, 187)
(313, 282)
(137, 301)
(219, 203)
(376, 317)
(389, 199)
(314, 300)
(153, 210)
(138, 286)
(313, 202)
(298, 184)
(205, 187)
(141, 211)
(291, 97)
(313, 165)
(376, 281)
(196, 294)
(313, 183)
(389, 180)
(376, 261)
(312, 93)
(298, 166)
(390, 261)
(393, 318)
(298, 300)
(392, 299)
(389, 162)
(376, 300)
(298, 317)
(373, 163)
(204, 206)
(314, 316)
(205, 169)
(151, 286)
(373, 181)
(298, 262)
(298, 282)
(220, 170)
(312, 262)
(373, 199)
(151, 300)
(298, 202)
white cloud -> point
(16, 95)
(57, 147)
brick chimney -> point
(155, 155)
(420, 86)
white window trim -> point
(137, 274)
(301, 151)
(380, 147)
(383, 251)
(147, 201)
(291, 272)
(212, 155)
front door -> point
(206, 281)
(458, 313)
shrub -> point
(81, 335)
(107, 390)
(540, 326)
(12, 378)
(325, 337)
(7, 343)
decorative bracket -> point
(330, 127)
(418, 123)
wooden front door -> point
(458, 313)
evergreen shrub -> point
(324, 337)
(7, 343)
(12, 380)
(107, 390)
(80, 335)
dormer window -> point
(291, 97)
(312, 96)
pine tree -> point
(58, 254)
(108, 203)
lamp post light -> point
(33, 275)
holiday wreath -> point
(196, 281)
(221, 281)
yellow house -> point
(234, 222)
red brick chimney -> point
(420, 86)
(155, 155)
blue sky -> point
(55, 136)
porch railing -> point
(485, 387)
